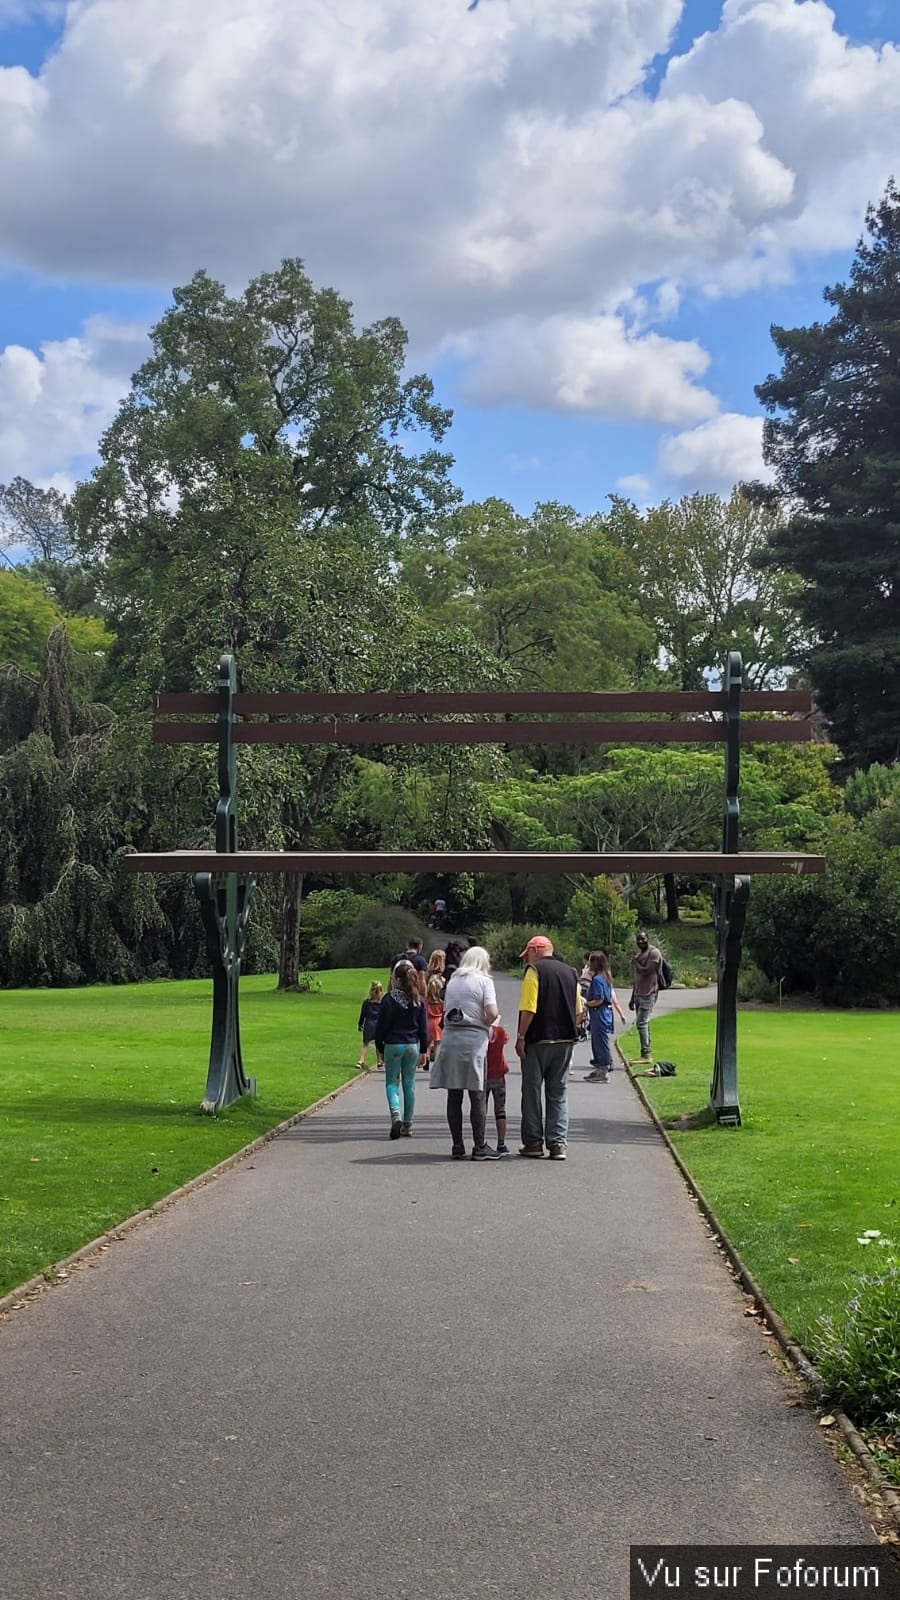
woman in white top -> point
(470, 1010)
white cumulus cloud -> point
(507, 180)
(55, 402)
(716, 455)
(591, 366)
(830, 109)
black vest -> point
(557, 991)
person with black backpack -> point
(413, 954)
(651, 974)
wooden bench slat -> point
(378, 703)
(711, 862)
(753, 731)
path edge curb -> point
(25, 1293)
(798, 1358)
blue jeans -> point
(601, 1055)
(545, 1072)
(400, 1062)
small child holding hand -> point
(495, 1082)
(434, 1012)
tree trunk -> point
(672, 912)
(289, 954)
(297, 828)
(518, 898)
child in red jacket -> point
(495, 1083)
(434, 1011)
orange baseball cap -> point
(541, 946)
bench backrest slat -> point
(753, 730)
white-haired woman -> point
(470, 1010)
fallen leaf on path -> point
(826, 1422)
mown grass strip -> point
(100, 1091)
(817, 1162)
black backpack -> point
(665, 975)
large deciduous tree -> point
(694, 569)
(833, 438)
(543, 593)
(263, 442)
(34, 520)
(252, 490)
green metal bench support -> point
(730, 912)
(224, 899)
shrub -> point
(858, 1351)
(754, 985)
(324, 916)
(836, 935)
(696, 907)
(505, 940)
(599, 919)
(375, 936)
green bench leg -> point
(731, 911)
(225, 909)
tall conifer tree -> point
(833, 439)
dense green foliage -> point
(833, 439)
(837, 935)
(598, 918)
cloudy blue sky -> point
(587, 212)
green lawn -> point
(100, 1089)
(817, 1161)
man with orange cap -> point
(549, 1007)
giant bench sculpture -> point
(224, 877)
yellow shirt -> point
(528, 999)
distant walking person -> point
(646, 964)
(549, 1008)
(601, 1001)
(460, 1064)
(401, 1036)
(368, 1018)
(413, 954)
(452, 958)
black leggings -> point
(476, 1115)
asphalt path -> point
(354, 1368)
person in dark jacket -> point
(452, 957)
(401, 1036)
(550, 1005)
(368, 1016)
